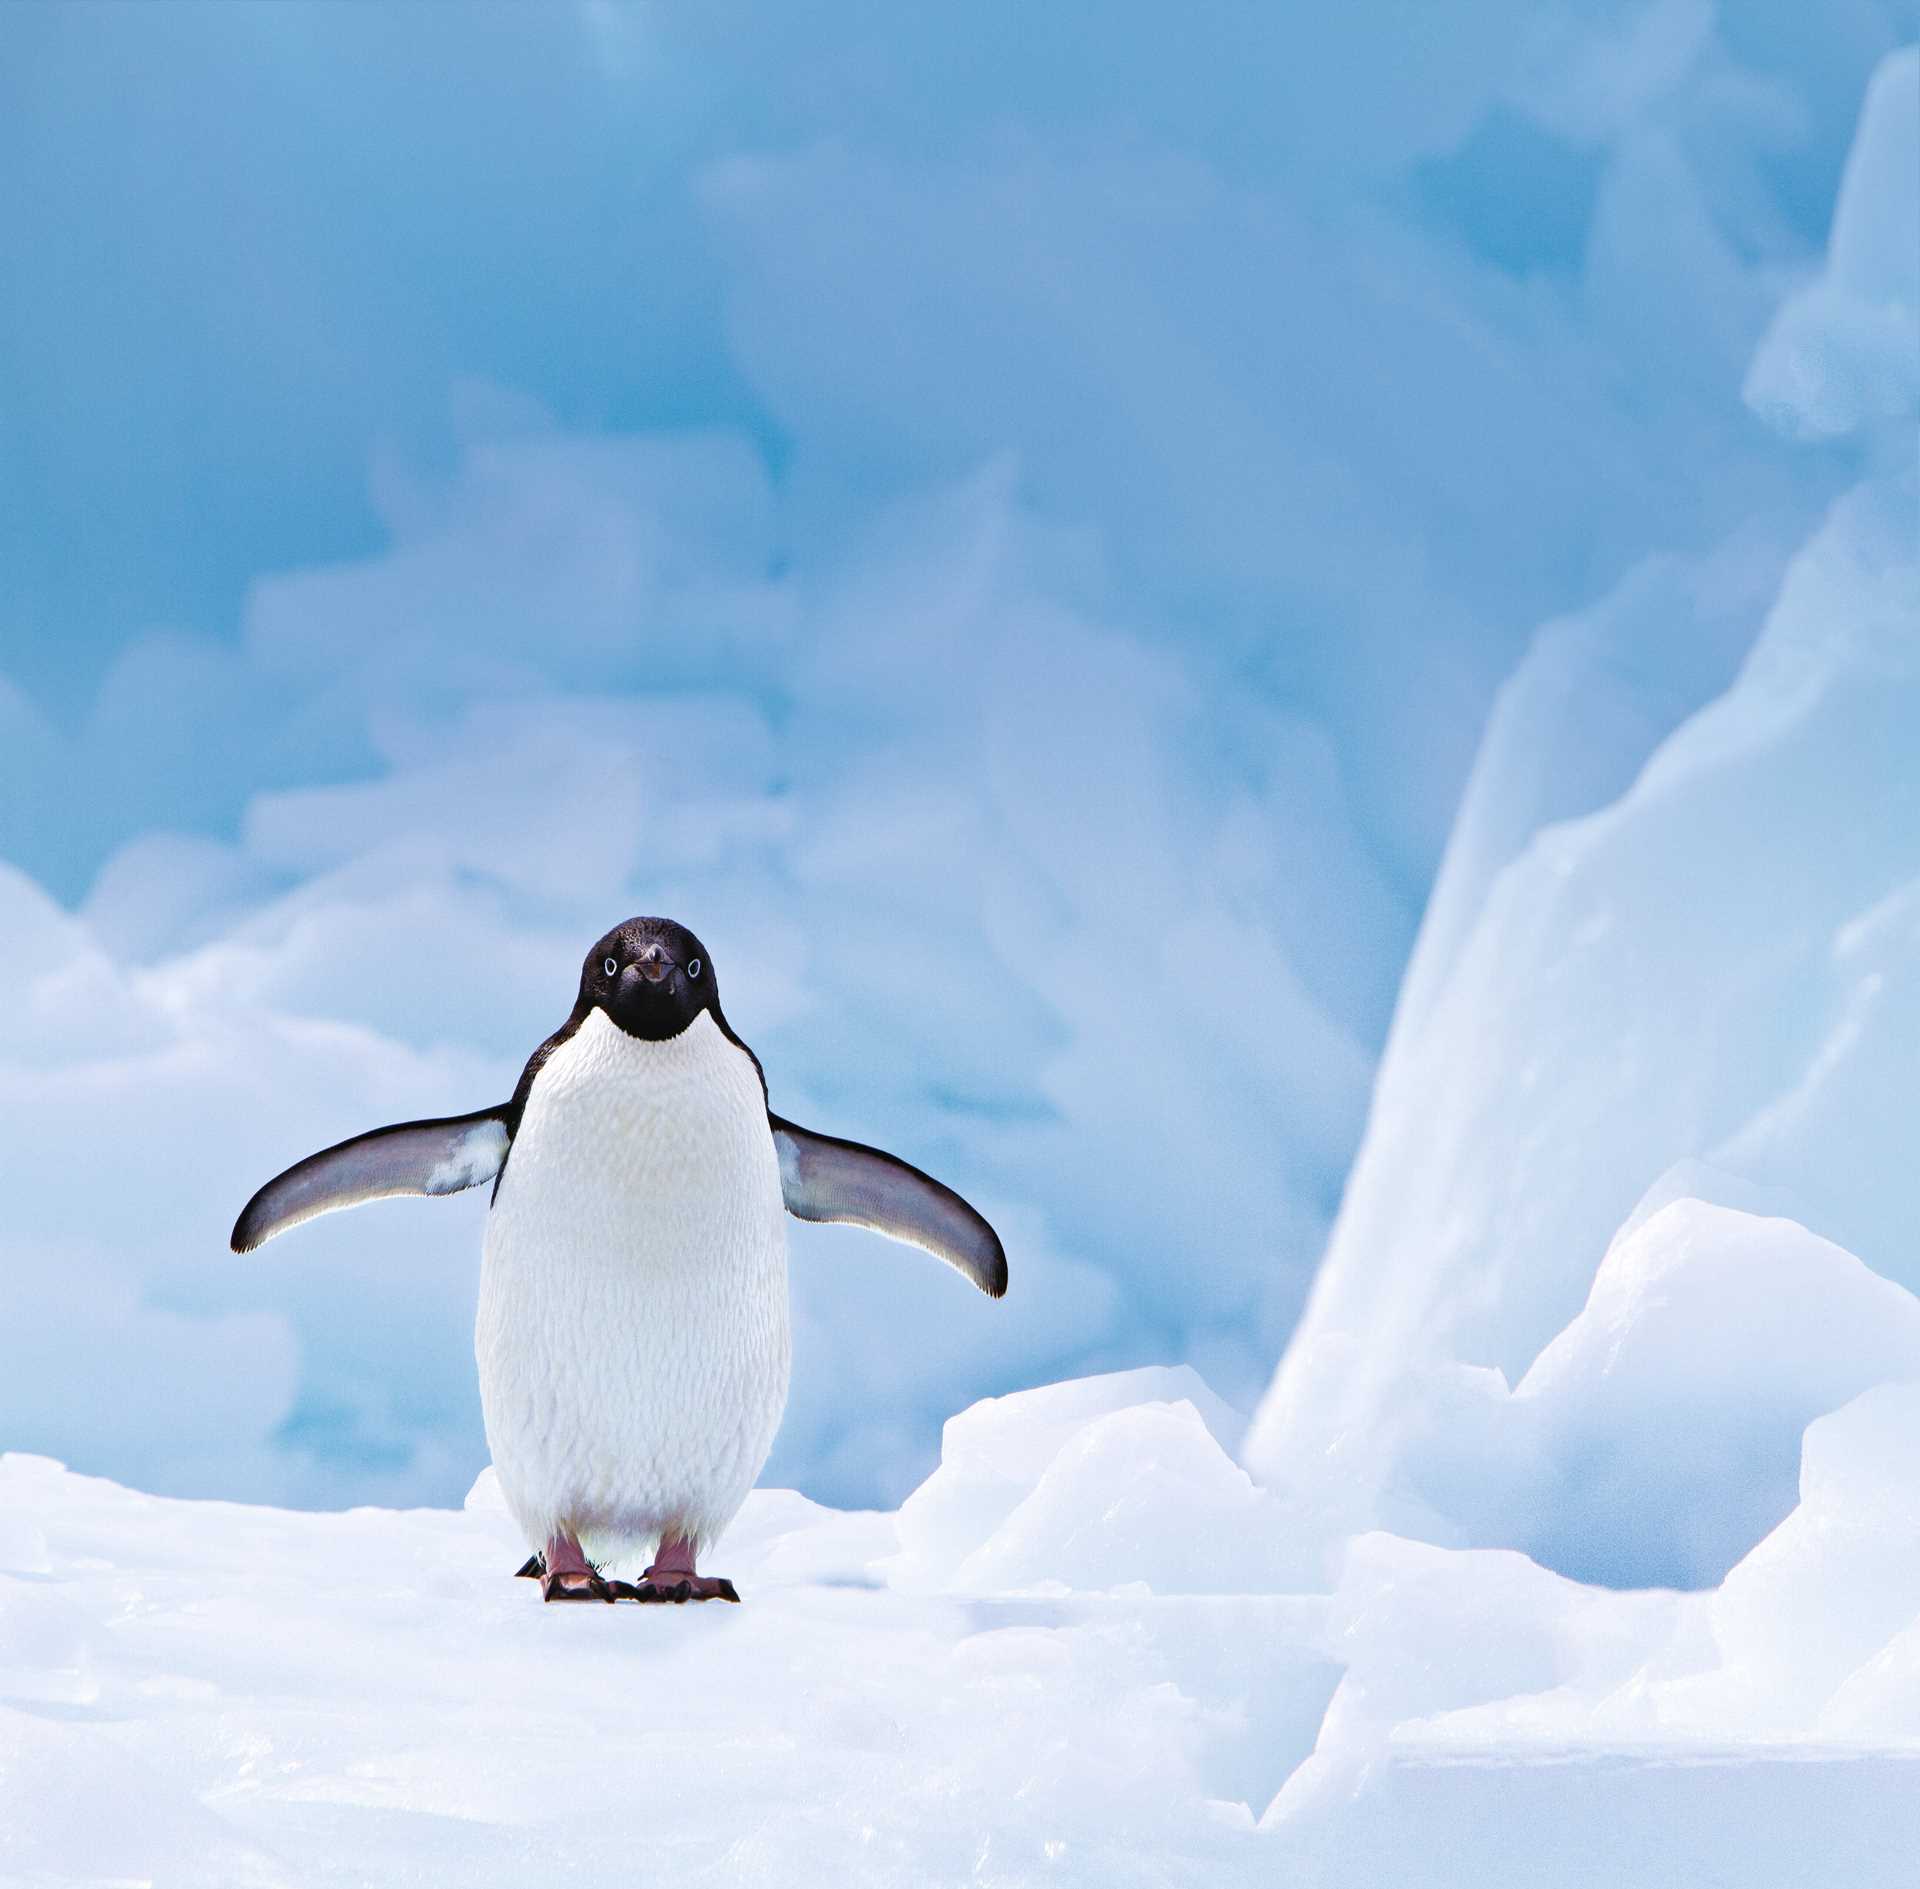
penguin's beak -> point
(653, 964)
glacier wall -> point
(1704, 984)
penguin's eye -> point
(693, 967)
(612, 967)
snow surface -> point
(1121, 1681)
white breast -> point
(633, 1332)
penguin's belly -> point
(633, 1337)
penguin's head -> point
(650, 976)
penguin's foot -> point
(572, 1584)
(672, 1577)
(676, 1585)
(564, 1573)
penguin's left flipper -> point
(436, 1157)
(825, 1178)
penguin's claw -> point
(531, 1569)
(571, 1584)
(649, 1590)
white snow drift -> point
(1081, 1654)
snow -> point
(311, 1697)
(1660, 1431)
(993, 1456)
(1125, 1683)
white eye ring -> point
(693, 967)
(611, 967)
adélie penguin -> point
(633, 1335)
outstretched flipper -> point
(439, 1157)
(825, 1178)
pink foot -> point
(567, 1574)
(671, 1578)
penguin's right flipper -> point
(438, 1157)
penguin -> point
(633, 1338)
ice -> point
(1717, 1819)
(210, 1694)
(1592, 698)
(1720, 964)
(1662, 1427)
(994, 1456)
(1622, 1297)
(1637, 988)
(1657, 1437)
(1494, 1717)
(1833, 1585)
(1878, 1700)
(1844, 353)
(1142, 1495)
(1425, 1632)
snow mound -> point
(1656, 1438)
(1427, 1632)
(1497, 1721)
(1147, 1495)
(207, 1694)
(994, 1456)
(1830, 1589)
(1664, 1423)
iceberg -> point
(1717, 966)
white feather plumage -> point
(633, 1337)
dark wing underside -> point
(437, 1157)
(824, 1178)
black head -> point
(651, 977)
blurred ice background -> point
(1014, 526)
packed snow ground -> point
(1087, 1650)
